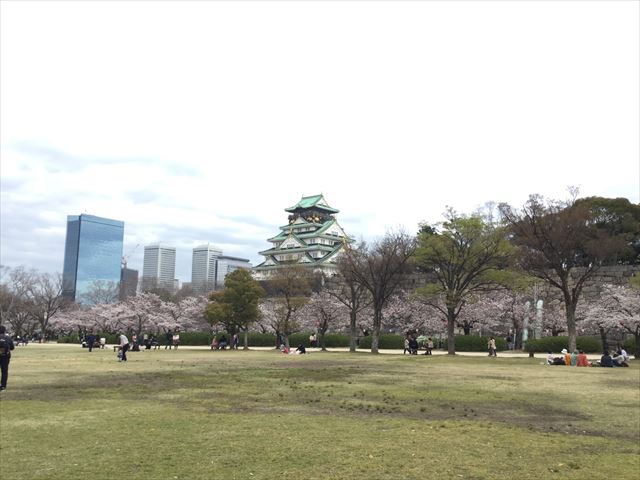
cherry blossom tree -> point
(554, 318)
(595, 318)
(321, 313)
(406, 314)
(622, 305)
(283, 318)
(186, 314)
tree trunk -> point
(571, 325)
(322, 345)
(246, 340)
(285, 337)
(451, 337)
(353, 343)
(375, 335)
(603, 338)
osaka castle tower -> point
(312, 238)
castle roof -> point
(316, 201)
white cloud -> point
(202, 121)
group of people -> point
(222, 342)
(579, 359)
(411, 345)
(298, 351)
(171, 339)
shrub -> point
(335, 340)
(473, 343)
(260, 339)
(556, 344)
(630, 345)
(73, 338)
(195, 338)
(390, 341)
(331, 340)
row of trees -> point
(475, 271)
(29, 299)
(478, 269)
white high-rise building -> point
(203, 268)
(159, 267)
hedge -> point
(390, 341)
(331, 340)
(473, 343)
(630, 346)
(464, 343)
(556, 344)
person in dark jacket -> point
(6, 345)
(606, 360)
(91, 339)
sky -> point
(197, 122)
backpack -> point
(4, 346)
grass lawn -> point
(197, 414)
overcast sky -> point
(201, 122)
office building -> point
(209, 268)
(92, 253)
(159, 267)
(128, 283)
(203, 268)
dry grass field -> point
(197, 414)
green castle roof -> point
(312, 201)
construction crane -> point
(125, 258)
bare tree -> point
(380, 268)
(352, 295)
(101, 291)
(561, 244)
(46, 296)
(15, 289)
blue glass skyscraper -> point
(93, 252)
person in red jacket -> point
(582, 360)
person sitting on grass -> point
(301, 350)
(582, 360)
(284, 348)
(574, 358)
(606, 360)
(619, 360)
(550, 358)
(214, 343)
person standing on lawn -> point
(124, 346)
(491, 344)
(6, 345)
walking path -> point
(504, 354)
